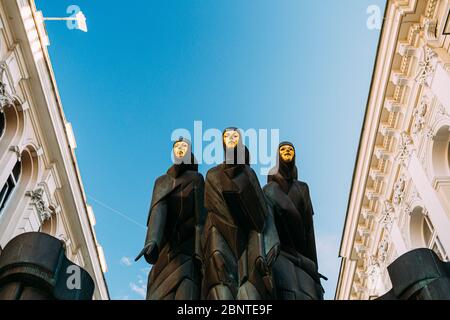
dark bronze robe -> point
(295, 271)
(239, 239)
(175, 222)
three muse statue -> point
(225, 237)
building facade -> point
(400, 196)
(40, 184)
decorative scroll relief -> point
(407, 210)
(64, 238)
(399, 191)
(387, 216)
(427, 66)
(442, 111)
(383, 249)
(6, 99)
(377, 263)
(404, 148)
(373, 270)
(430, 25)
(37, 199)
(430, 29)
(419, 115)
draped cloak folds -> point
(239, 239)
(295, 271)
(175, 223)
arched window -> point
(448, 156)
(2, 124)
(441, 152)
(9, 186)
(441, 165)
(423, 234)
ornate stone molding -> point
(404, 148)
(37, 199)
(64, 238)
(419, 115)
(6, 100)
(407, 210)
(399, 191)
(373, 270)
(431, 7)
(442, 111)
(430, 29)
(387, 216)
(383, 249)
(17, 151)
(427, 66)
(360, 249)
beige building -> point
(40, 184)
(400, 196)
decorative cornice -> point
(392, 144)
(430, 29)
(429, 10)
(368, 214)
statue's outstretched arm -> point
(155, 232)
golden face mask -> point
(180, 149)
(287, 153)
(231, 139)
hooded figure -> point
(295, 271)
(239, 240)
(175, 224)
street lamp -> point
(80, 18)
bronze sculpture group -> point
(225, 237)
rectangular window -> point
(439, 249)
(447, 25)
(9, 186)
(6, 192)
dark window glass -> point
(17, 170)
(9, 186)
(2, 123)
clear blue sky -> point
(143, 70)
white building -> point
(400, 197)
(40, 184)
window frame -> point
(434, 240)
(2, 123)
(12, 179)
